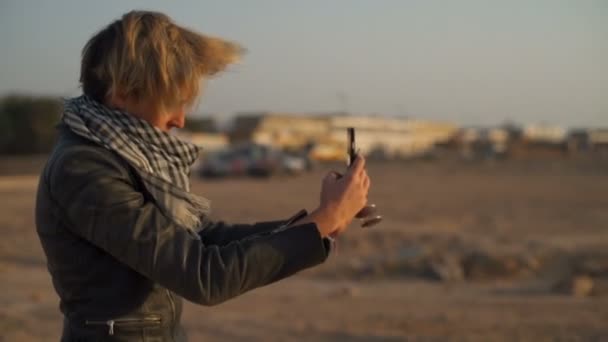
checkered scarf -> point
(161, 160)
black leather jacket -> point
(120, 267)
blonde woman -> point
(124, 237)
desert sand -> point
(466, 252)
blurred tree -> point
(27, 124)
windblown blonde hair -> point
(144, 56)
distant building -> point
(598, 139)
(326, 134)
(578, 141)
(391, 137)
(592, 140)
(540, 141)
(207, 141)
(544, 134)
(278, 129)
(483, 143)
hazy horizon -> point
(471, 62)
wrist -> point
(324, 220)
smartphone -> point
(352, 148)
(368, 213)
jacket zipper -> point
(111, 322)
(174, 314)
(299, 215)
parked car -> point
(252, 159)
(262, 160)
(222, 163)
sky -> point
(468, 62)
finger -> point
(360, 178)
(363, 161)
(363, 169)
(359, 163)
(355, 170)
(366, 182)
(332, 175)
(363, 173)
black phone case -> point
(351, 146)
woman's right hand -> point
(342, 197)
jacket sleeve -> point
(99, 202)
(222, 233)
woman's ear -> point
(116, 100)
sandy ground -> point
(505, 207)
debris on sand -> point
(578, 286)
(447, 268)
(456, 265)
(588, 276)
(484, 266)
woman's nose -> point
(177, 122)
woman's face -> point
(163, 119)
